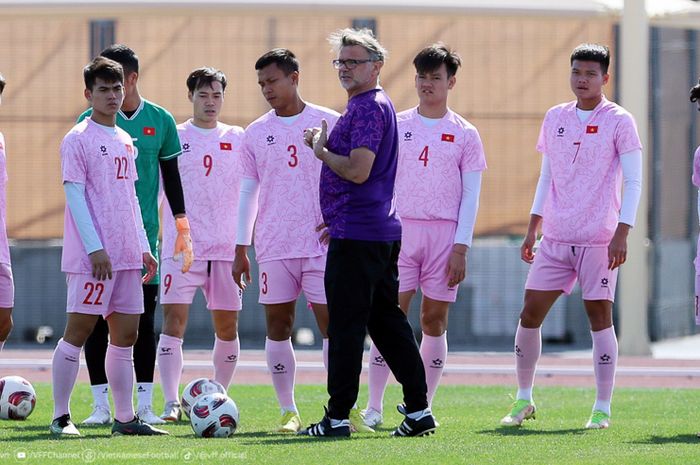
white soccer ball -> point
(196, 388)
(17, 398)
(214, 416)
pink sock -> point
(225, 357)
(378, 377)
(325, 353)
(433, 351)
(169, 355)
(64, 372)
(604, 362)
(119, 367)
(283, 366)
(528, 347)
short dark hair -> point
(282, 57)
(124, 56)
(2, 83)
(203, 76)
(695, 93)
(592, 52)
(102, 68)
(431, 57)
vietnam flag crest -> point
(591, 129)
(448, 137)
(148, 131)
(225, 146)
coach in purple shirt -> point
(357, 201)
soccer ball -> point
(196, 388)
(214, 416)
(17, 398)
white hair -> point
(362, 37)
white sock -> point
(290, 408)
(100, 395)
(524, 394)
(335, 423)
(144, 395)
(602, 405)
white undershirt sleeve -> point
(247, 210)
(143, 237)
(468, 207)
(698, 205)
(75, 199)
(543, 185)
(632, 179)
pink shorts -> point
(426, 246)
(213, 277)
(122, 294)
(557, 266)
(283, 280)
(7, 286)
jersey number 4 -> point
(424, 156)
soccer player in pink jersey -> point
(589, 146)
(210, 173)
(280, 196)
(104, 248)
(7, 286)
(695, 98)
(438, 181)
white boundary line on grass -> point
(481, 369)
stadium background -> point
(515, 66)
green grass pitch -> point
(654, 426)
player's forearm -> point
(468, 208)
(247, 210)
(534, 226)
(143, 237)
(543, 184)
(172, 186)
(631, 163)
(77, 204)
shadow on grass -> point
(281, 438)
(509, 431)
(661, 440)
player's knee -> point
(280, 327)
(433, 323)
(227, 331)
(126, 338)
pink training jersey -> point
(431, 163)
(104, 163)
(4, 243)
(210, 171)
(583, 203)
(289, 172)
